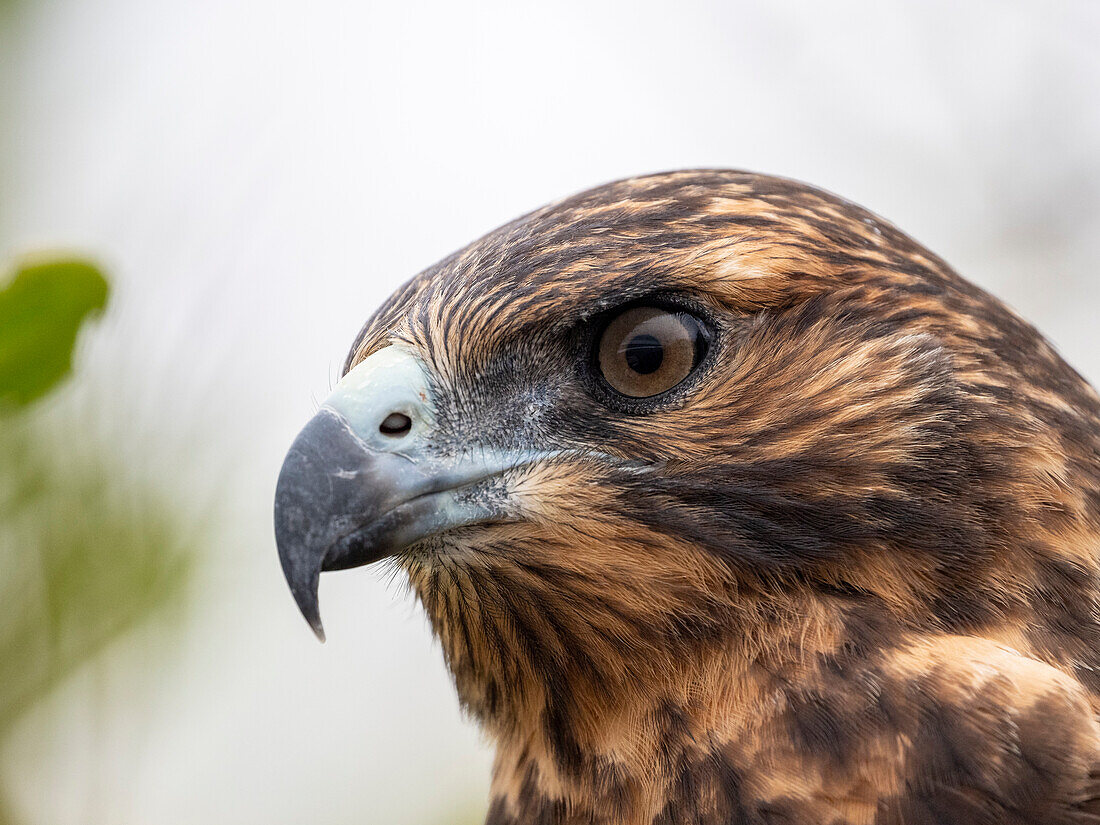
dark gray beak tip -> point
(300, 524)
(307, 601)
(320, 486)
(302, 574)
(318, 629)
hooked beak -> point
(363, 479)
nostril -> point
(395, 424)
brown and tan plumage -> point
(845, 571)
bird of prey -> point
(728, 503)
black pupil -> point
(644, 354)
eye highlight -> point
(647, 350)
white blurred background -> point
(257, 176)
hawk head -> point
(688, 420)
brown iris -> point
(646, 350)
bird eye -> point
(646, 350)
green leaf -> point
(88, 552)
(41, 311)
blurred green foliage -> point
(41, 311)
(87, 552)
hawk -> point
(728, 503)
